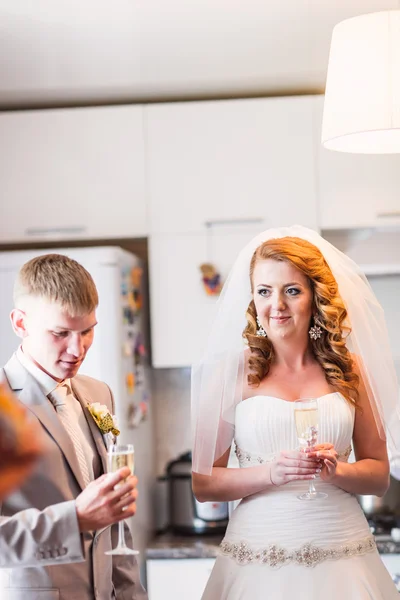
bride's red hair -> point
(329, 311)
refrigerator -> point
(118, 355)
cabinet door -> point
(356, 190)
(72, 174)
(178, 579)
(181, 310)
(232, 160)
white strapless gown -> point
(278, 547)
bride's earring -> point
(315, 332)
(260, 331)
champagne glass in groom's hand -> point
(120, 456)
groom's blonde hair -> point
(59, 279)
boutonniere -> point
(104, 420)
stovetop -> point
(386, 530)
(386, 544)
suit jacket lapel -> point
(31, 395)
(95, 431)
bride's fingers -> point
(327, 455)
(309, 456)
(330, 466)
(323, 447)
(308, 464)
(303, 471)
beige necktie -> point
(58, 398)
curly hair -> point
(329, 312)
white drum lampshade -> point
(362, 97)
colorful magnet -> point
(140, 350)
(134, 415)
(127, 349)
(211, 279)
(136, 276)
(130, 382)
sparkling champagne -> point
(122, 459)
(121, 455)
(305, 419)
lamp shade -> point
(362, 97)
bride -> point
(312, 329)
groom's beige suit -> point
(39, 531)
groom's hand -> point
(101, 504)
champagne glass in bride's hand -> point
(306, 419)
(121, 456)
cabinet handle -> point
(218, 222)
(33, 231)
(392, 214)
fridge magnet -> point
(139, 376)
(136, 277)
(127, 349)
(140, 350)
(128, 315)
(211, 279)
(124, 288)
(144, 408)
(130, 382)
(134, 415)
(135, 299)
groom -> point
(60, 523)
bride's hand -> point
(294, 466)
(328, 456)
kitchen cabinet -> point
(387, 290)
(181, 311)
(178, 579)
(355, 190)
(72, 174)
(231, 161)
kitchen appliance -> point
(187, 515)
(389, 504)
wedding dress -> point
(278, 547)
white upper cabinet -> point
(180, 309)
(355, 190)
(231, 161)
(72, 174)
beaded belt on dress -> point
(306, 556)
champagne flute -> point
(306, 420)
(119, 456)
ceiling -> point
(74, 52)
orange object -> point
(130, 382)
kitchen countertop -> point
(168, 545)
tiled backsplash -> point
(171, 410)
